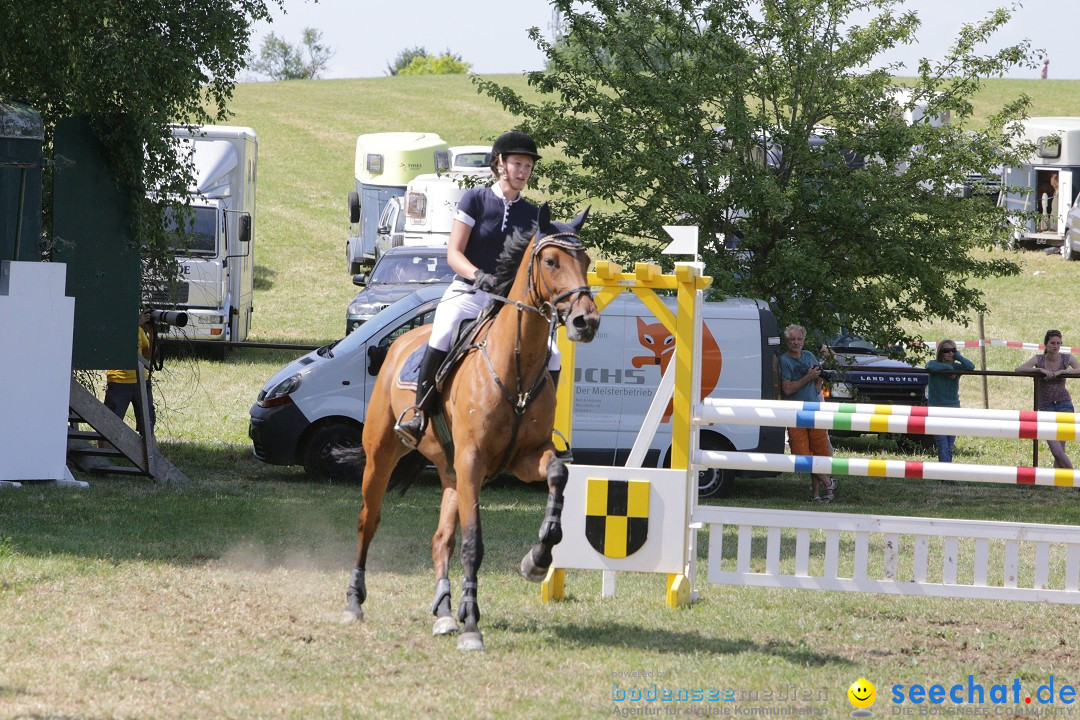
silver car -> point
(399, 272)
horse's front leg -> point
(535, 564)
(470, 478)
(442, 549)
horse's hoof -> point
(445, 626)
(530, 570)
(470, 641)
(351, 615)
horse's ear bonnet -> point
(567, 233)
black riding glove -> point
(483, 281)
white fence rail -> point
(918, 556)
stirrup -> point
(408, 432)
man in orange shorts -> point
(800, 379)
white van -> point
(317, 403)
(1056, 162)
(424, 215)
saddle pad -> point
(410, 369)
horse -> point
(497, 409)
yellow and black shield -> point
(617, 515)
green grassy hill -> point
(307, 134)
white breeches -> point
(462, 302)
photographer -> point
(122, 390)
(801, 378)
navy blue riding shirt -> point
(492, 220)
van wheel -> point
(322, 454)
(712, 482)
(1067, 248)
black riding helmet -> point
(513, 142)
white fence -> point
(918, 556)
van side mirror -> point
(360, 279)
(383, 230)
(376, 354)
(245, 228)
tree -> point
(279, 60)
(446, 64)
(132, 68)
(405, 58)
(711, 113)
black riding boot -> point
(554, 378)
(411, 430)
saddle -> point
(463, 342)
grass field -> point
(221, 598)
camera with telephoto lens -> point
(823, 373)
(169, 317)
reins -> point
(548, 310)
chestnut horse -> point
(498, 406)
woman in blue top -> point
(486, 218)
(944, 389)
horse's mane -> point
(509, 261)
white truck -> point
(384, 165)
(217, 268)
(1047, 182)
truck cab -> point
(214, 253)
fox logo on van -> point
(656, 338)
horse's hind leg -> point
(383, 453)
(535, 564)
(442, 549)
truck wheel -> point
(321, 458)
(1067, 248)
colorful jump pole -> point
(1023, 416)
(771, 462)
(878, 423)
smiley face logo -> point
(862, 695)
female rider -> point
(486, 218)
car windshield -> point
(471, 160)
(854, 345)
(399, 268)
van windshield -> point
(200, 226)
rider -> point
(486, 218)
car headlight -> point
(210, 319)
(364, 310)
(842, 390)
(279, 394)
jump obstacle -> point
(810, 549)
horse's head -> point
(561, 267)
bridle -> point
(548, 309)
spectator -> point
(1052, 395)
(122, 390)
(1045, 68)
(800, 379)
(944, 389)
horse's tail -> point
(349, 456)
(406, 472)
